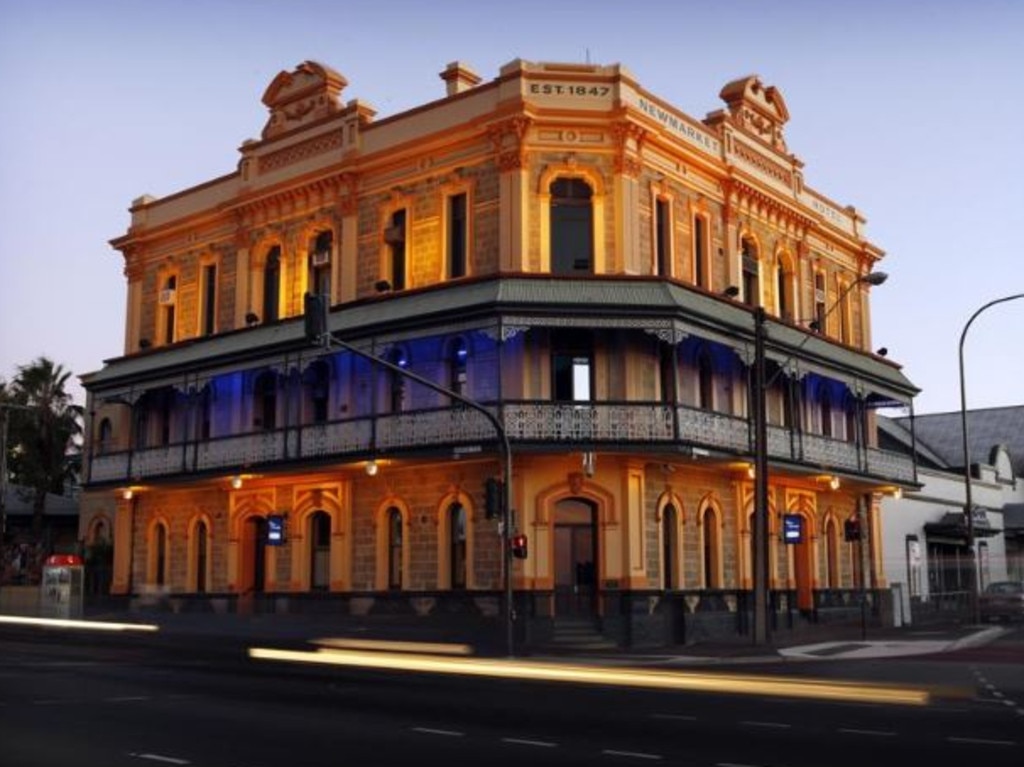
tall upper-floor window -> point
(784, 289)
(845, 315)
(316, 382)
(701, 268)
(272, 285)
(320, 264)
(396, 237)
(572, 226)
(105, 440)
(750, 267)
(265, 402)
(457, 235)
(663, 236)
(819, 301)
(457, 357)
(705, 380)
(397, 381)
(572, 362)
(208, 300)
(168, 300)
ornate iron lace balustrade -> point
(588, 422)
(557, 423)
(718, 430)
(423, 428)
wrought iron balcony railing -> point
(575, 425)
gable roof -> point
(988, 428)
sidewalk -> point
(828, 643)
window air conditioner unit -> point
(394, 235)
(321, 258)
(166, 296)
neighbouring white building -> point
(926, 557)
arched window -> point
(457, 358)
(319, 537)
(831, 554)
(168, 300)
(394, 547)
(201, 554)
(784, 287)
(395, 236)
(669, 547)
(106, 437)
(158, 554)
(457, 545)
(272, 285)
(709, 558)
(750, 269)
(701, 268)
(265, 402)
(396, 381)
(572, 227)
(320, 264)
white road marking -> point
(161, 758)
(734, 764)
(127, 698)
(853, 731)
(779, 725)
(632, 754)
(676, 717)
(526, 742)
(432, 731)
(982, 741)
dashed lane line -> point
(528, 742)
(161, 758)
(777, 725)
(854, 731)
(434, 731)
(981, 741)
(632, 754)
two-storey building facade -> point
(561, 247)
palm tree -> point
(44, 445)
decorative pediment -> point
(756, 110)
(310, 92)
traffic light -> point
(851, 530)
(492, 498)
(315, 317)
(518, 544)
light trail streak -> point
(65, 623)
(736, 684)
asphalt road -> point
(76, 699)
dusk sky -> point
(910, 111)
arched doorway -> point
(803, 569)
(575, 558)
(254, 556)
(320, 551)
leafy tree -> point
(44, 441)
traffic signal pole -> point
(318, 332)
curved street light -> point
(968, 502)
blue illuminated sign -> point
(792, 528)
(275, 530)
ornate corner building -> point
(565, 249)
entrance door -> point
(575, 559)
(254, 560)
(803, 571)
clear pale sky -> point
(910, 111)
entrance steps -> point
(579, 634)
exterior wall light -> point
(371, 468)
(236, 481)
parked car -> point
(1002, 600)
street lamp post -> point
(759, 412)
(968, 502)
